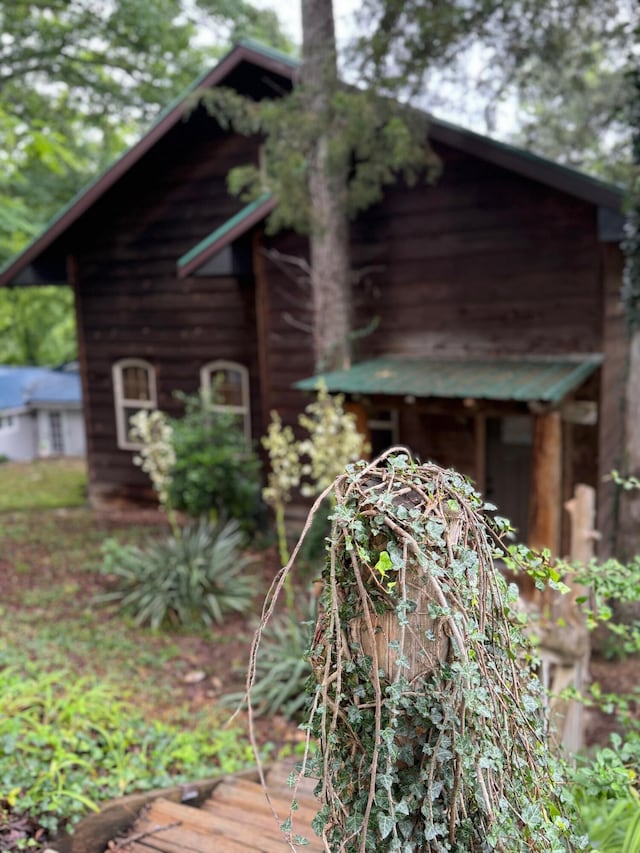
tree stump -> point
(429, 718)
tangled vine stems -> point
(426, 708)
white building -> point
(40, 413)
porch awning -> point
(545, 379)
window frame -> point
(208, 370)
(56, 432)
(121, 403)
(8, 423)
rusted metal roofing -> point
(545, 379)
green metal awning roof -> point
(545, 379)
(230, 230)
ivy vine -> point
(425, 703)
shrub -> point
(214, 470)
(193, 578)
(602, 794)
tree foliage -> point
(37, 325)
(560, 68)
(330, 149)
(79, 79)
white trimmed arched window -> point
(134, 388)
(227, 384)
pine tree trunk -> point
(629, 529)
(628, 544)
(329, 239)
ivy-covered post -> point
(628, 544)
(428, 712)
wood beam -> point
(545, 513)
(480, 473)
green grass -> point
(69, 743)
(53, 626)
(44, 484)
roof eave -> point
(529, 165)
(545, 171)
(244, 51)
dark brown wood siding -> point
(288, 319)
(134, 305)
(611, 409)
(483, 263)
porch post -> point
(546, 482)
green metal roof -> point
(548, 379)
(236, 220)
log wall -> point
(132, 303)
(484, 263)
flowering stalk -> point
(332, 442)
(283, 477)
(156, 456)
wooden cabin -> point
(496, 340)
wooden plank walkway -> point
(236, 817)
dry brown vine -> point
(427, 712)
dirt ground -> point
(203, 666)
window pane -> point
(55, 428)
(226, 387)
(135, 383)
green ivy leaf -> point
(385, 825)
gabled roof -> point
(523, 380)
(25, 387)
(262, 58)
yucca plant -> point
(196, 577)
(282, 667)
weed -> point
(66, 744)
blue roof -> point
(21, 387)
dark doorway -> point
(509, 469)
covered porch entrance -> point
(524, 430)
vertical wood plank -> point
(546, 482)
(262, 327)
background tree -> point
(37, 325)
(330, 148)
(573, 95)
(629, 537)
(401, 43)
(79, 80)
(559, 71)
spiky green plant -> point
(283, 669)
(195, 578)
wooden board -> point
(235, 817)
